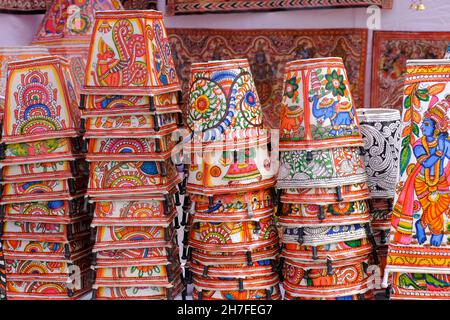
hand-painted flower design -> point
(201, 104)
(335, 83)
(291, 87)
(250, 98)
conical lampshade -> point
(40, 101)
(224, 105)
(317, 110)
(420, 218)
(130, 54)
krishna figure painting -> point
(420, 233)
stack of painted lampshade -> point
(46, 231)
(327, 239)
(231, 242)
(8, 54)
(381, 129)
(130, 113)
(66, 31)
(419, 247)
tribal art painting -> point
(391, 50)
(268, 51)
(175, 7)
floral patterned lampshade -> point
(223, 104)
(318, 109)
(420, 219)
(41, 102)
(71, 21)
(381, 129)
(130, 55)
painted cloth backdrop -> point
(224, 6)
(391, 50)
(268, 51)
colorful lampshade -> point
(40, 101)
(381, 131)
(420, 216)
(70, 21)
(230, 171)
(223, 105)
(121, 149)
(133, 177)
(130, 55)
(326, 254)
(265, 294)
(42, 170)
(304, 282)
(139, 292)
(134, 126)
(317, 109)
(232, 207)
(57, 149)
(325, 196)
(329, 215)
(98, 105)
(54, 211)
(332, 167)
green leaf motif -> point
(405, 156)
(407, 102)
(415, 129)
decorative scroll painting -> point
(225, 6)
(390, 52)
(268, 51)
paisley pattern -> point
(381, 131)
(328, 168)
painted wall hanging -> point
(267, 52)
(391, 50)
(178, 7)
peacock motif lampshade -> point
(381, 130)
(130, 55)
(223, 105)
(71, 21)
(420, 220)
(317, 109)
(41, 102)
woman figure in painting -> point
(429, 179)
